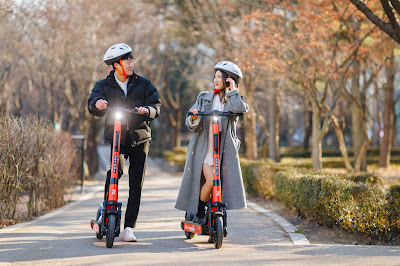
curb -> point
(298, 239)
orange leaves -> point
(313, 16)
(307, 40)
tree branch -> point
(385, 27)
(391, 16)
(396, 5)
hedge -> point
(331, 162)
(299, 152)
(355, 203)
(36, 164)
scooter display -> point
(215, 225)
(108, 217)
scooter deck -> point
(194, 228)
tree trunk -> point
(274, 114)
(163, 132)
(91, 156)
(250, 137)
(378, 117)
(342, 144)
(250, 133)
(91, 161)
(394, 128)
(362, 154)
(177, 129)
(316, 140)
(357, 118)
(308, 125)
(386, 146)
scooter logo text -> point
(216, 166)
(115, 163)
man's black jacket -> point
(140, 92)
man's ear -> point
(114, 65)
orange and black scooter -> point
(108, 218)
(215, 225)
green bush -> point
(353, 202)
(258, 177)
(393, 211)
(176, 157)
(299, 152)
(330, 162)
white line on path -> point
(297, 238)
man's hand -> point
(101, 104)
(142, 110)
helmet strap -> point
(123, 71)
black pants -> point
(137, 167)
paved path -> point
(65, 237)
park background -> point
(321, 134)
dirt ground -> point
(315, 233)
(318, 234)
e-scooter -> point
(108, 217)
(215, 225)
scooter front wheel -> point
(219, 232)
(111, 230)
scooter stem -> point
(113, 189)
(216, 169)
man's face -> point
(127, 64)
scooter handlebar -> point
(216, 113)
(120, 109)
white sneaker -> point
(127, 235)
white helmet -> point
(116, 52)
(231, 69)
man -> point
(123, 88)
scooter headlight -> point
(118, 115)
(215, 119)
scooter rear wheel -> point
(111, 230)
(189, 235)
(99, 235)
(219, 232)
(189, 217)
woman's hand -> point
(232, 83)
(194, 112)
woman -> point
(197, 178)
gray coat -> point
(232, 183)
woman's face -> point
(218, 82)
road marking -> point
(12, 228)
(298, 239)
